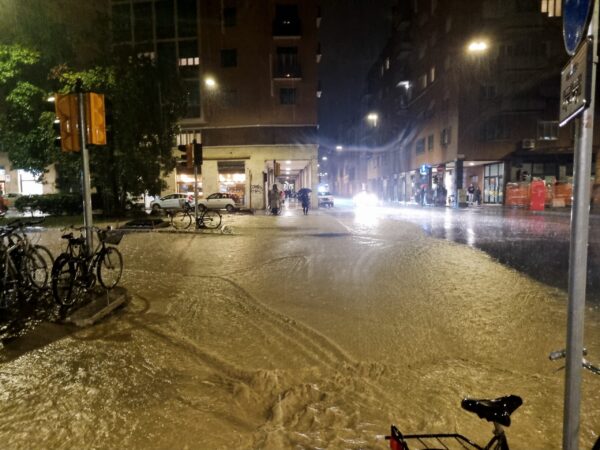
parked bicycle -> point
(24, 266)
(76, 270)
(207, 218)
(554, 356)
(497, 411)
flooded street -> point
(298, 332)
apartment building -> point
(250, 71)
(466, 92)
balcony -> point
(287, 28)
(287, 72)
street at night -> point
(313, 331)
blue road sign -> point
(576, 17)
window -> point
(423, 81)
(387, 63)
(165, 19)
(494, 130)
(547, 130)
(229, 57)
(420, 146)
(287, 21)
(432, 74)
(430, 142)
(448, 24)
(445, 136)
(192, 88)
(142, 27)
(229, 17)
(187, 24)
(121, 23)
(287, 65)
(287, 96)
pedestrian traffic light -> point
(67, 113)
(197, 154)
(95, 118)
(186, 159)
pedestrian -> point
(470, 194)
(477, 195)
(305, 199)
(274, 199)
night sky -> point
(352, 35)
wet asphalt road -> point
(536, 244)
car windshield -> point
(408, 214)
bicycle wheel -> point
(38, 266)
(181, 220)
(66, 287)
(109, 267)
(210, 219)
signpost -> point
(577, 101)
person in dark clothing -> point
(305, 200)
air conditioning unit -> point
(528, 144)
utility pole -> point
(85, 161)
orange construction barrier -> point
(537, 195)
(517, 194)
(562, 194)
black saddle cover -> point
(496, 410)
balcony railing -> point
(288, 71)
(287, 28)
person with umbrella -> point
(304, 196)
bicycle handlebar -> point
(553, 356)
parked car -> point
(171, 201)
(325, 199)
(219, 201)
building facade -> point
(250, 71)
(465, 93)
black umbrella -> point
(304, 191)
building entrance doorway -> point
(232, 179)
(493, 183)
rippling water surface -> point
(296, 333)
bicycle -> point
(497, 411)
(23, 265)
(207, 218)
(76, 270)
(559, 354)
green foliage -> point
(53, 204)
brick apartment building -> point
(465, 92)
(250, 70)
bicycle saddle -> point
(495, 410)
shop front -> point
(232, 179)
(493, 183)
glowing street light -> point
(324, 158)
(475, 47)
(373, 118)
(339, 147)
(210, 83)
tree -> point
(143, 107)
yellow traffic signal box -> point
(95, 118)
(67, 113)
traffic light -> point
(186, 159)
(197, 154)
(95, 118)
(67, 114)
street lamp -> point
(324, 158)
(339, 148)
(210, 82)
(477, 47)
(373, 118)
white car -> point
(217, 201)
(171, 201)
(325, 199)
